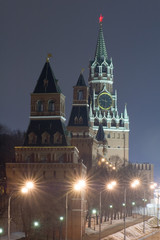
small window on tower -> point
(39, 106)
(121, 123)
(57, 138)
(32, 138)
(45, 138)
(113, 123)
(80, 120)
(51, 106)
(96, 122)
(80, 95)
(104, 122)
(76, 120)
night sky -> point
(30, 29)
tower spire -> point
(125, 112)
(101, 52)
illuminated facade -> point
(96, 107)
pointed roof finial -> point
(82, 70)
(48, 57)
(81, 81)
(101, 52)
(125, 111)
(101, 18)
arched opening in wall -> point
(113, 123)
(96, 122)
(51, 106)
(57, 138)
(96, 69)
(104, 68)
(80, 95)
(121, 123)
(76, 120)
(45, 138)
(104, 122)
(61, 158)
(39, 106)
(32, 138)
(80, 120)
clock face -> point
(105, 101)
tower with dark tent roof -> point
(79, 124)
(49, 159)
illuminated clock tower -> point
(103, 104)
(97, 129)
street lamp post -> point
(61, 218)
(29, 185)
(9, 216)
(111, 207)
(109, 186)
(133, 205)
(144, 201)
(66, 229)
(1, 232)
(158, 211)
(100, 201)
(154, 186)
(125, 213)
(134, 184)
(78, 187)
(94, 212)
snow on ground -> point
(106, 225)
(14, 236)
(132, 233)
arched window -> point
(76, 120)
(32, 138)
(51, 106)
(104, 122)
(96, 122)
(121, 123)
(45, 138)
(113, 123)
(80, 95)
(39, 106)
(80, 120)
(57, 138)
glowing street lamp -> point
(1, 232)
(28, 186)
(61, 218)
(36, 224)
(133, 203)
(80, 185)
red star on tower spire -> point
(100, 18)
